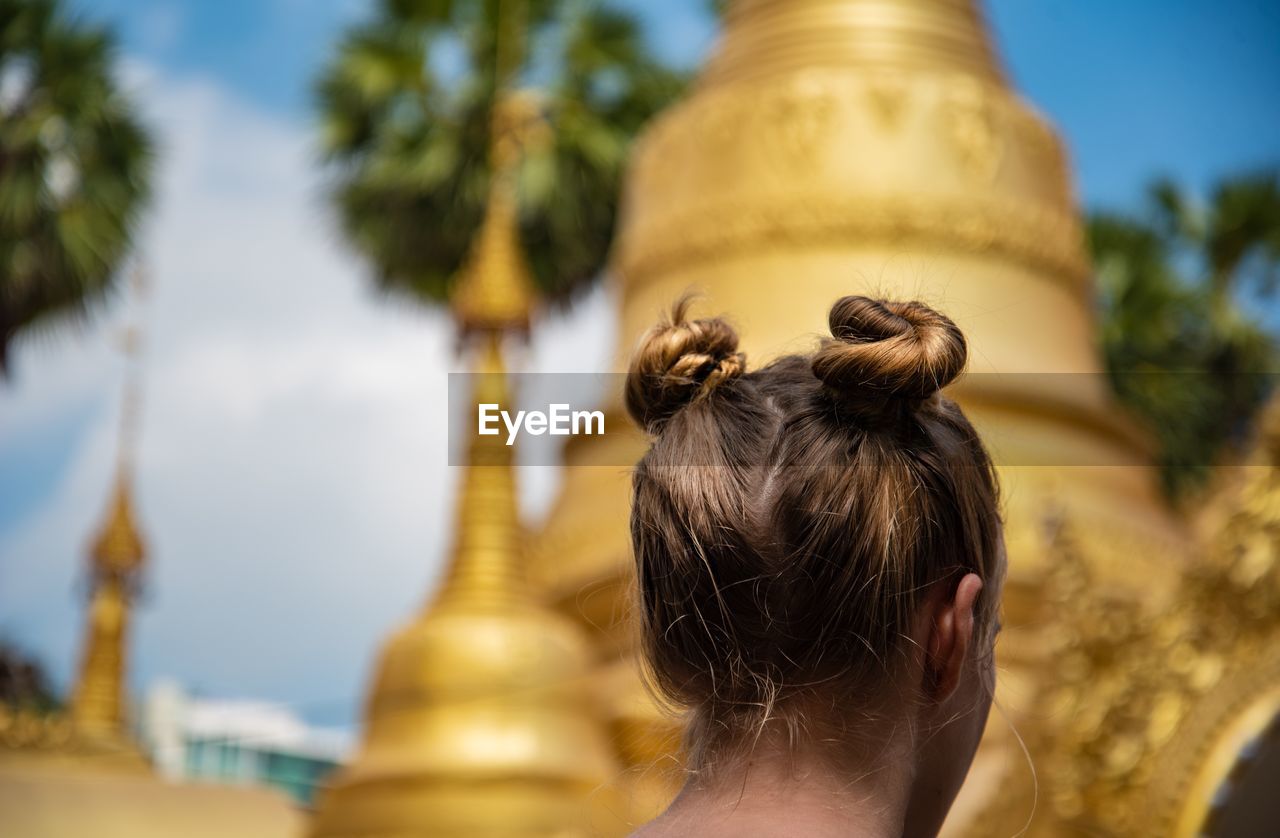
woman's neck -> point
(791, 795)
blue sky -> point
(1191, 88)
(290, 461)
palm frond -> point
(75, 166)
(1181, 352)
(407, 146)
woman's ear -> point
(950, 635)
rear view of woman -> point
(819, 556)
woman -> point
(819, 555)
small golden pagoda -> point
(97, 705)
(479, 722)
(93, 725)
(79, 772)
(876, 146)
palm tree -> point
(406, 107)
(74, 166)
(1179, 294)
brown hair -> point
(787, 522)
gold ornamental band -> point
(1045, 241)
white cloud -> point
(291, 467)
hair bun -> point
(678, 362)
(883, 351)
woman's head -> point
(810, 536)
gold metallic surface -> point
(481, 719)
(874, 146)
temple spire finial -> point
(116, 557)
(494, 289)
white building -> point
(239, 742)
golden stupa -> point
(79, 772)
(839, 146)
(479, 721)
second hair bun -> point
(882, 349)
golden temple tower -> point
(478, 721)
(80, 772)
(115, 568)
(876, 146)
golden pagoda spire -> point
(115, 564)
(486, 566)
(478, 721)
(493, 294)
(494, 289)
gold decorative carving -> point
(1044, 152)
(798, 159)
(23, 729)
(979, 122)
(888, 94)
(1138, 698)
(717, 127)
(970, 116)
(1046, 241)
(799, 120)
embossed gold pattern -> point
(837, 155)
(1145, 710)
